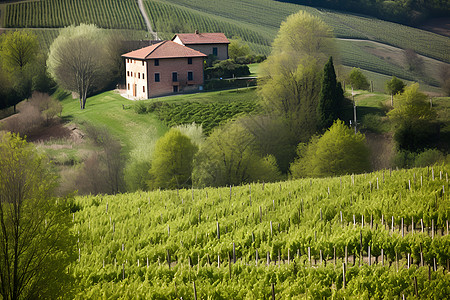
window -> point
(189, 60)
(156, 62)
(139, 75)
(143, 77)
(174, 76)
(143, 88)
(131, 73)
(215, 51)
(128, 86)
(175, 88)
(156, 77)
(190, 76)
(142, 62)
(128, 73)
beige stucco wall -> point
(137, 85)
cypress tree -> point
(330, 99)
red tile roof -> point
(202, 38)
(165, 49)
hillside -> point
(249, 241)
(255, 21)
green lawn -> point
(111, 110)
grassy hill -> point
(256, 21)
(240, 242)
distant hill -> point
(413, 12)
(256, 21)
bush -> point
(339, 151)
(429, 157)
(227, 69)
(140, 108)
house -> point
(207, 43)
(161, 69)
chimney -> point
(196, 31)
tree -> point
(78, 60)
(36, 243)
(238, 48)
(394, 86)
(357, 80)
(331, 98)
(339, 151)
(172, 161)
(228, 157)
(18, 50)
(290, 78)
(414, 61)
(413, 119)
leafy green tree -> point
(78, 60)
(413, 119)
(172, 161)
(228, 157)
(290, 78)
(36, 243)
(238, 48)
(339, 151)
(393, 87)
(357, 80)
(331, 97)
(18, 50)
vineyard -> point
(123, 14)
(210, 115)
(377, 235)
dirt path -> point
(147, 20)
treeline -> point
(411, 12)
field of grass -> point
(111, 110)
(244, 242)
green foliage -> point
(184, 222)
(227, 69)
(172, 161)
(36, 241)
(290, 77)
(395, 86)
(78, 60)
(18, 49)
(210, 115)
(331, 98)
(357, 80)
(238, 48)
(339, 151)
(413, 119)
(228, 157)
